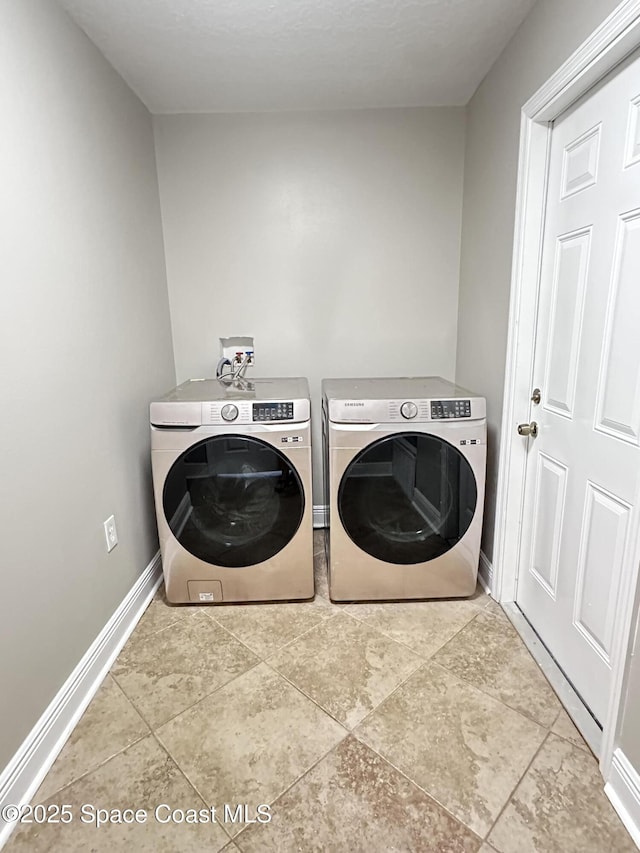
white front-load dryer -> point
(405, 464)
(231, 467)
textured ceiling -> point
(263, 55)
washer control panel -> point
(456, 408)
(280, 411)
(236, 412)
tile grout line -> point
(295, 781)
(497, 698)
(453, 675)
(143, 634)
(486, 692)
(157, 736)
(310, 698)
(100, 764)
(425, 661)
(385, 761)
(153, 729)
(584, 746)
(326, 710)
(515, 787)
(299, 779)
(146, 721)
(259, 661)
(410, 648)
(191, 784)
(393, 692)
(424, 790)
(149, 734)
(202, 698)
(306, 696)
(325, 619)
(94, 767)
(279, 648)
(179, 617)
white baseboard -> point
(485, 573)
(320, 515)
(623, 789)
(23, 775)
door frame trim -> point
(609, 44)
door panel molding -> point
(616, 414)
(571, 268)
(632, 155)
(593, 616)
(549, 501)
(616, 38)
(580, 163)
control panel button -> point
(280, 411)
(408, 410)
(229, 412)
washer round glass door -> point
(407, 498)
(233, 501)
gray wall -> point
(548, 36)
(333, 238)
(85, 342)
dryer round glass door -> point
(233, 501)
(408, 498)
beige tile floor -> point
(394, 727)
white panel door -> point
(583, 469)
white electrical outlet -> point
(110, 532)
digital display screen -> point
(450, 409)
(273, 411)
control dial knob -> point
(408, 410)
(229, 412)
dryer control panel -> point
(280, 411)
(405, 411)
(457, 408)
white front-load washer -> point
(405, 464)
(231, 467)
